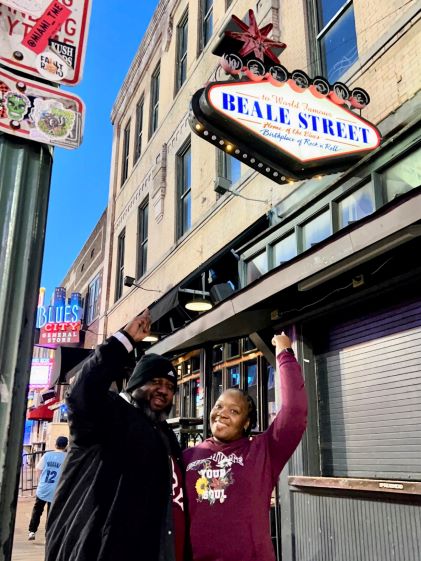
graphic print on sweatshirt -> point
(214, 476)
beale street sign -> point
(38, 112)
(294, 132)
(45, 38)
(283, 124)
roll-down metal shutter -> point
(369, 384)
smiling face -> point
(158, 394)
(229, 416)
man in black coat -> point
(120, 495)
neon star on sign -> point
(255, 40)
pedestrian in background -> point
(49, 469)
(230, 477)
(121, 492)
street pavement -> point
(24, 550)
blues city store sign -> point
(285, 125)
(60, 322)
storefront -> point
(340, 272)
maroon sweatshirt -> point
(229, 486)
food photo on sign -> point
(45, 38)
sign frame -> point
(210, 123)
(16, 55)
(35, 97)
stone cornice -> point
(142, 59)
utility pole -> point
(25, 170)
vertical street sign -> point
(34, 111)
(45, 39)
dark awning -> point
(250, 309)
(42, 412)
(164, 305)
(66, 358)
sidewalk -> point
(24, 550)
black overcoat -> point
(114, 496)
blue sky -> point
(80, 179)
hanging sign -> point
(293, 131)
(37, 112)
(283, 124)
(61, 322)
(45, 38)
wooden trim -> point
(353, 484)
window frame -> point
(224, 166)
(318, 63)
(119, 283)
(181, 57)
(125, 154)
(203, 21)
(139, 129)
(142, 237)
(154, 100)
(182, 191)
(92, 309)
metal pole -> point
(25, 171)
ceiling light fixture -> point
(151, 338)
(200, 301)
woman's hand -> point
(140, 326)
(281, 342)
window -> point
(271, 372)
(184, 190)
(316, 230)
(336, 37)
(233, 349)
(284, 250)
(251, 380)
(139, 130)
(142, 236)
(216, 386)
(92, 301)
(356, 206)
(195, 363)
(120, 265)
(217, 354)
(248, 345)
(257, 267)
(230, 167)
(206, 22)
(126, 148)
(403, 176)
(199, 395)
(181, 63)
(154, 100)
(234, 376)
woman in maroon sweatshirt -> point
(230, 476)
